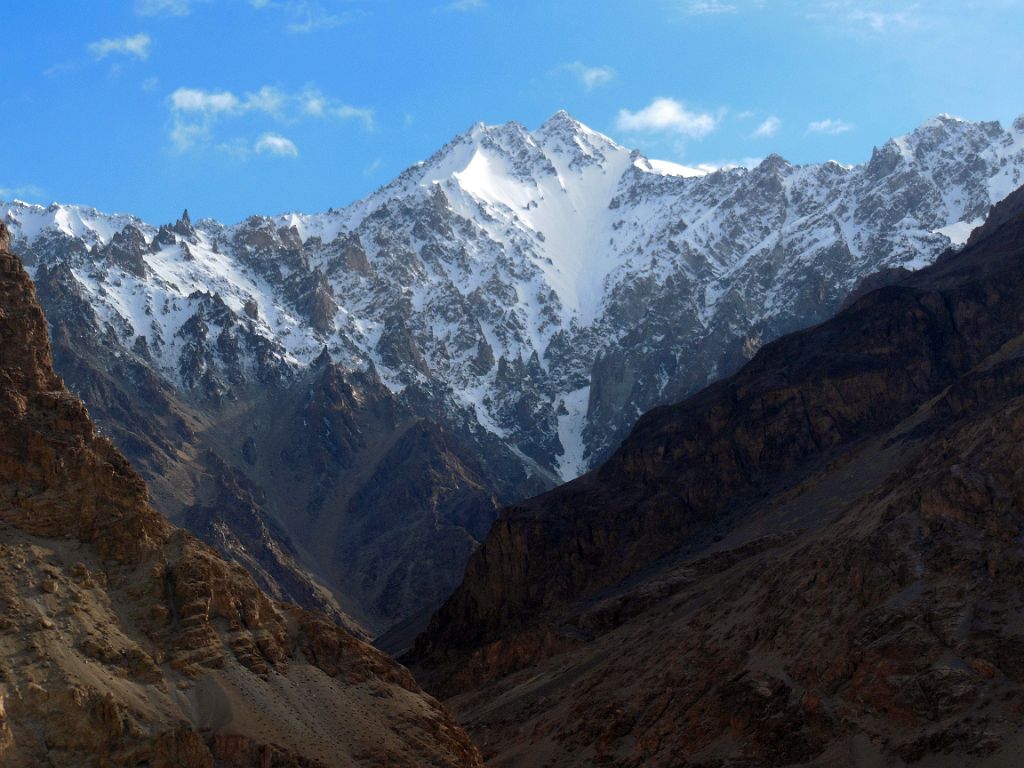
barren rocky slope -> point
(124, 641)
(816, 561)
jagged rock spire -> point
(5, 238)
(183, 226)
(323, 359)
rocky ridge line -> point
(814, 562)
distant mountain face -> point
(817, 561)
(528, 294)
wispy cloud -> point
(163, 7)
(185, 135)
(314, 103)
(461, 6)
(664, 115)
(305, 16)
(196, 113)
(361, 114)
(210, 102)
(315, 18)
(22, 191)
(768, 128)
(730, 164)
(61, 68)
(870, 16)
(590, 77)
(132, 45)
(879, 21)
(830, 127)
(267, 99)
(709, 8)
(275, 144)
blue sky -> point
(233, 107)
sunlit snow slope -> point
(544, 287)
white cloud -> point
(768, 128)
(197, 113)
(306, 16)
(266, 99)
(314, 104)
(728, 165)
(879, 21)
(465, 5)
(270, 100)
(274, 144)
(830, 127)
(590, 77)
(873, 17)
(22, 191)
(196, 100)
(669, 116)
(364, 115)
(238, 148)
(185, 135)
(163, 7)
(314, 18)
(710, 8)
(133, 45)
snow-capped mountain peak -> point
(541, 288)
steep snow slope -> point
(544, 287)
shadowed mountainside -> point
(125, 641)
(815, 561)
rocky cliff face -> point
(815, 561)
(125, 641)
(527, 293)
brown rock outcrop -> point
(125, 641)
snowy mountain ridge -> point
(544, 287)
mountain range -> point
(342, 401)
(816, 561)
